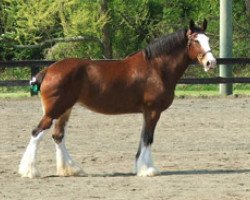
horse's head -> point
(198, 46)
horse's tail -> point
(36, 81)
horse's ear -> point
(204, 25)
(191, 25)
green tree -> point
(83, 22)
(54, 29)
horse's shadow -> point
(172, 173)
(206, 172)
(182, 172)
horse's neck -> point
(173, 66)
(181, 66)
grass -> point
(206, 93)
(183, 93)
(15, 95)
(209, 90)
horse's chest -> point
(158, 96)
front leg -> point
(144, 164)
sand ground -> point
(202, 147)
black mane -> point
(166, 44)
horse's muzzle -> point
(210, 64)
(208, 61)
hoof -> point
(70, 171)
(29, 171)
(148, 172)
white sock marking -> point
(27, 167)
(145, 157)
(65, 164)
(62, 156)
(144, 165)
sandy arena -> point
(201, 146)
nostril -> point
(208, 63)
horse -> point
(143, 82)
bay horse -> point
(143, 82)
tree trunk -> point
(107, 46)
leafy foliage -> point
(133, 24)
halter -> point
(190, 37)
(200, 56)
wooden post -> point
(226, 44)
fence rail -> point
(36, 64)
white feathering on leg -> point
(144, 164)
(27, 166)
(65, 164)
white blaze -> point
(208, 61)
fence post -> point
(34, 71)
(226, 44)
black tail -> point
(36, 81)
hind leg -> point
(64, 163)
(27, 166)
